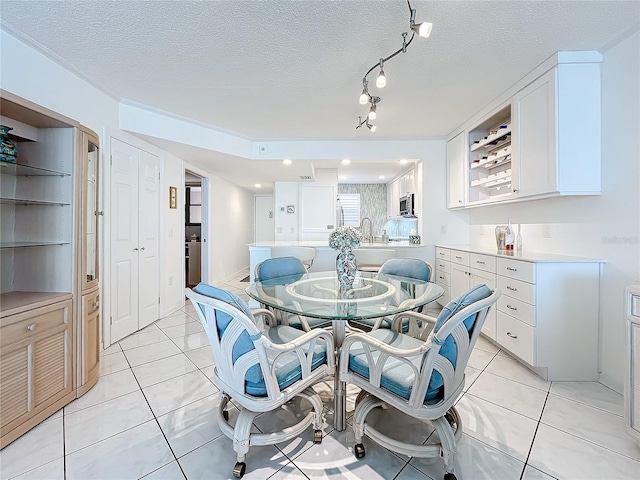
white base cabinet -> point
(632, 376)
(547, 315)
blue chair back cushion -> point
(407, 267)
(398, 376)
(287, 368)
(280, 267)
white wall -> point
(31, 75)
(286, 224)
(605, 226)
(438, 225)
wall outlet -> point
(278, 229)
(170, 280)
(546, 230)
(443, 229)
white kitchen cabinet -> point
(632, 370)
(541, 141)
(456, 166)
(557, 137)
(465, 275)
(547, 315)
(401, 186)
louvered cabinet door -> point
(35, 367)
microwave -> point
(406, 205)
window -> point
(350, 203)
(193, 205)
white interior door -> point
(149, 219)
(124, 240)
(264, 219)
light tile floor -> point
(151, 416)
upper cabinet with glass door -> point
(90, 156)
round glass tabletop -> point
(319, 295)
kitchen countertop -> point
(325, 244)
(526, 256)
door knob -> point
(141, 248)
(135, 249)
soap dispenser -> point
(385, 237)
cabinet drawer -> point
(517, 289)
(483, 262)
(26, 325)
(460, 257)
(443, 278)
(517, 269)
(517, 337)
(443, 266)
(518, 309)
(443, 253)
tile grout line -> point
(533, 440)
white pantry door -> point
(264, 218)
(135, 214)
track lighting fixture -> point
(422, 29)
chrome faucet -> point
(369, 237)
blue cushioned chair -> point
(421, 378)
(412, 268)
(276, 273)
(260, 369)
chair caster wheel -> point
(225, 415)
(317, 436)
(239, 469)
(449, 476)
(358, 449)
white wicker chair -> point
(421, 378)
(260, 369)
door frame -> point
(205, 244)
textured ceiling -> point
(282, 69)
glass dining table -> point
(319, 295)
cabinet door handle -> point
(441, 277)
(32, 327)
(512, 289)
(459, 258)
(478, 261)
(135, 249)
(512, 308)
(509, 334)
(512, 269)
(141, 248)
(459, 201)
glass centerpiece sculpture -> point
(344, 239)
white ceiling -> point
(282, 69)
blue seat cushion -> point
(398, 377)
(287, 366)
(407, 267)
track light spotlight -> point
(372, 112)
(381, 81)
(422, 29)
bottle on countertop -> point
(509, 237)
(385, 237)
(519, 240)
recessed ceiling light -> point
(257, 185)
(346, 161)
(286, 161)
(403, 161)
(343, 177)
(381, 177)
